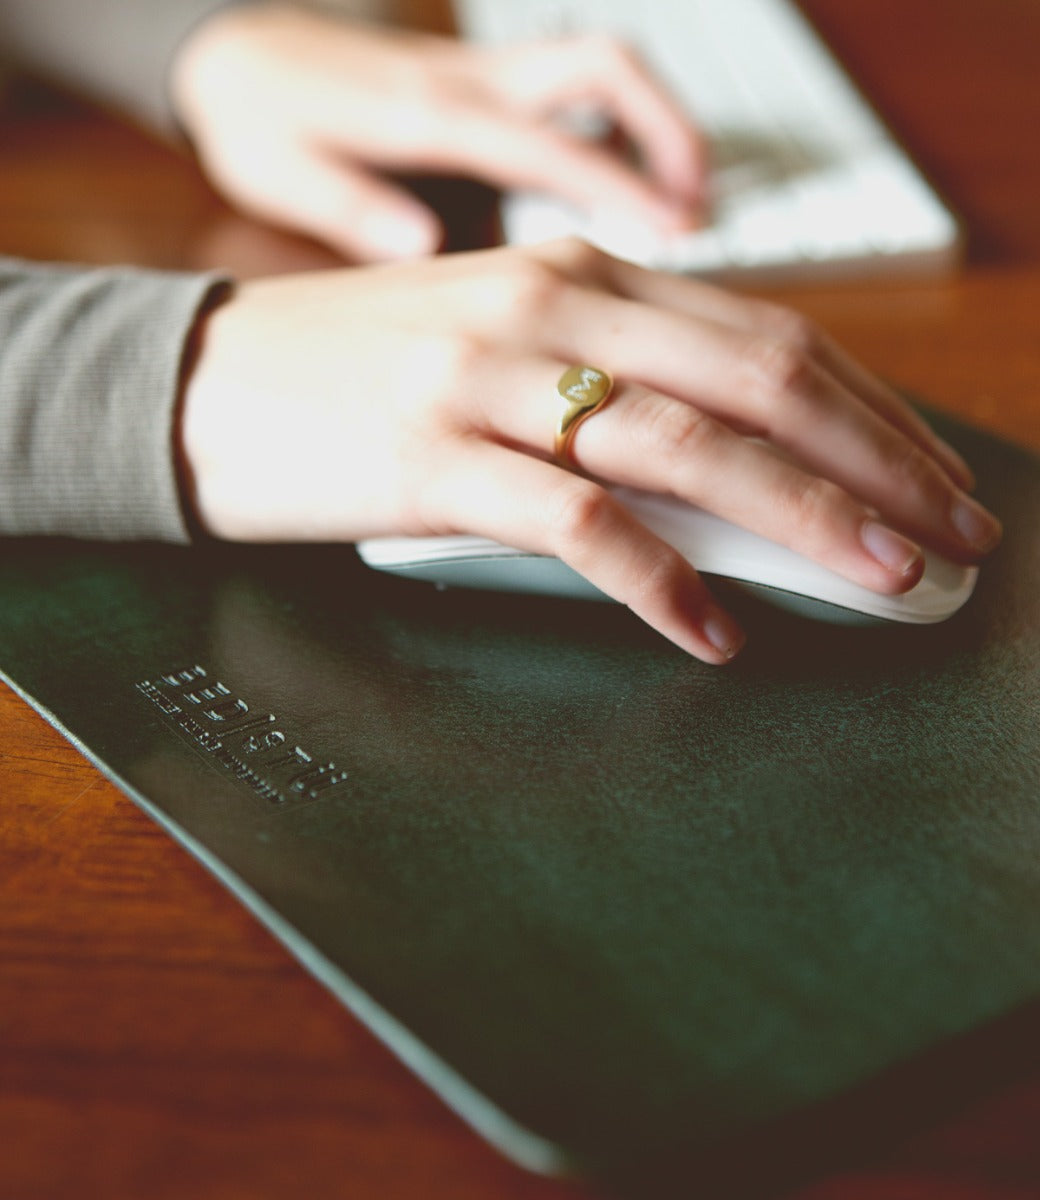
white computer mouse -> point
(714, 547)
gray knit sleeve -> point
(89, 378)
(119, 51)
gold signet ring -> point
(582, 390)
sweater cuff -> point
(90, 364)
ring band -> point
(582, 390)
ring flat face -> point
(582, 389)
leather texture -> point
(643, 906)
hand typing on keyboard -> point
(429, 398)
(806, 180)
(298, 117)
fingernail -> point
(724, 633)
(979, 528)
(893, 551)
(400, 236)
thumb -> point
(360, 214)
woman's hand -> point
(296, 117)
(421, 399)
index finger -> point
(518, 150)
(611, 75)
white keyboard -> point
(807, 182)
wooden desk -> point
(154, 1041)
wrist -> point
(188, 456)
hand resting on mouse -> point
(420, 398)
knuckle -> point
(444, 360)
(777, 367)
(673, 430)
(529, 287)
(461, 353)
(577, 511)
(433, 90)
(577, 256)
(911, 469)
(420, 105)
(810, 505)
(792, 328)
(610, 52)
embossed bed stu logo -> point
(250, 746)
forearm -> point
(117, 50)
(90, 364)
(122, 51)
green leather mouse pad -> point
(614, 905)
